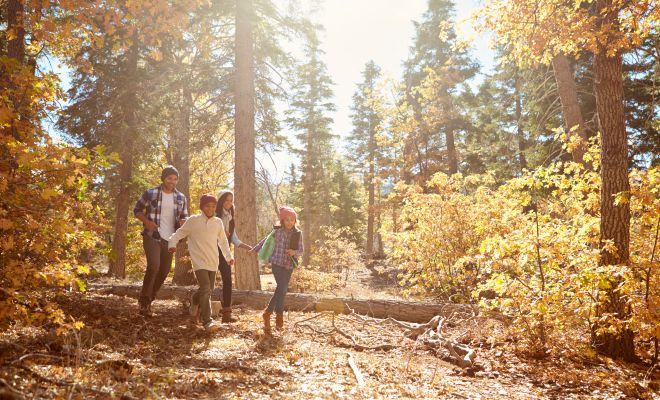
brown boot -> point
(266, 316)
(226, 316)
(279, 321)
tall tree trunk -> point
(183, 273)
(371, 191)
(308, 184)
(16, 24)
(569, 103)
(452, 158)
(247, 270)
(615, 219)
(129, 132)
(520, 134)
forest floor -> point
(119, 354)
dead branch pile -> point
(362, 333)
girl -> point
(281, 248)
(225, 211)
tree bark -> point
(615, 219)
(256, 299)
(247, 270)
(569, 103)
(129, 132)
(183, 273)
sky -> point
(357, 31)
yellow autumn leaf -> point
(48, 193)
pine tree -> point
(347, 202)
(434, 72)
(308, 115)
(368, 120)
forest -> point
(480, 231)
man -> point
(162, 210)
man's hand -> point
(172, 249)
(290, 252)
(231, 262)
(150, 225)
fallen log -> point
(396, 309)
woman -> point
(225, 211)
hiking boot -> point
(279, 321)
(226, 316)
(211, 327)
(145, 310)
(193, 309)
(266, 316)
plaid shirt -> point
(150, 202)
(282, 239)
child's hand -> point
(172, 249)
(290, 252)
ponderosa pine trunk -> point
(615, 218)
(245, 189)
(128, 106)
(573, 120)
(180, 158)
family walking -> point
(163, 211)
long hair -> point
(219, 209)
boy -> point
(205, 233)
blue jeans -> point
(282, 278)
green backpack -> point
(269, 246)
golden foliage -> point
(535, 243)
(535, 31)
(48, 214)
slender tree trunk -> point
(520, 133)
(379, 239)
(245, 190)
(569, 103)
(615, 219)
(308, 184)
(452, 158)
(129, 132)
(371, 191)
(183, 274)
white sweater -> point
(204, 236)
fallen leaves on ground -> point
(119, 354)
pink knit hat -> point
(207, 198)
(288, 211)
